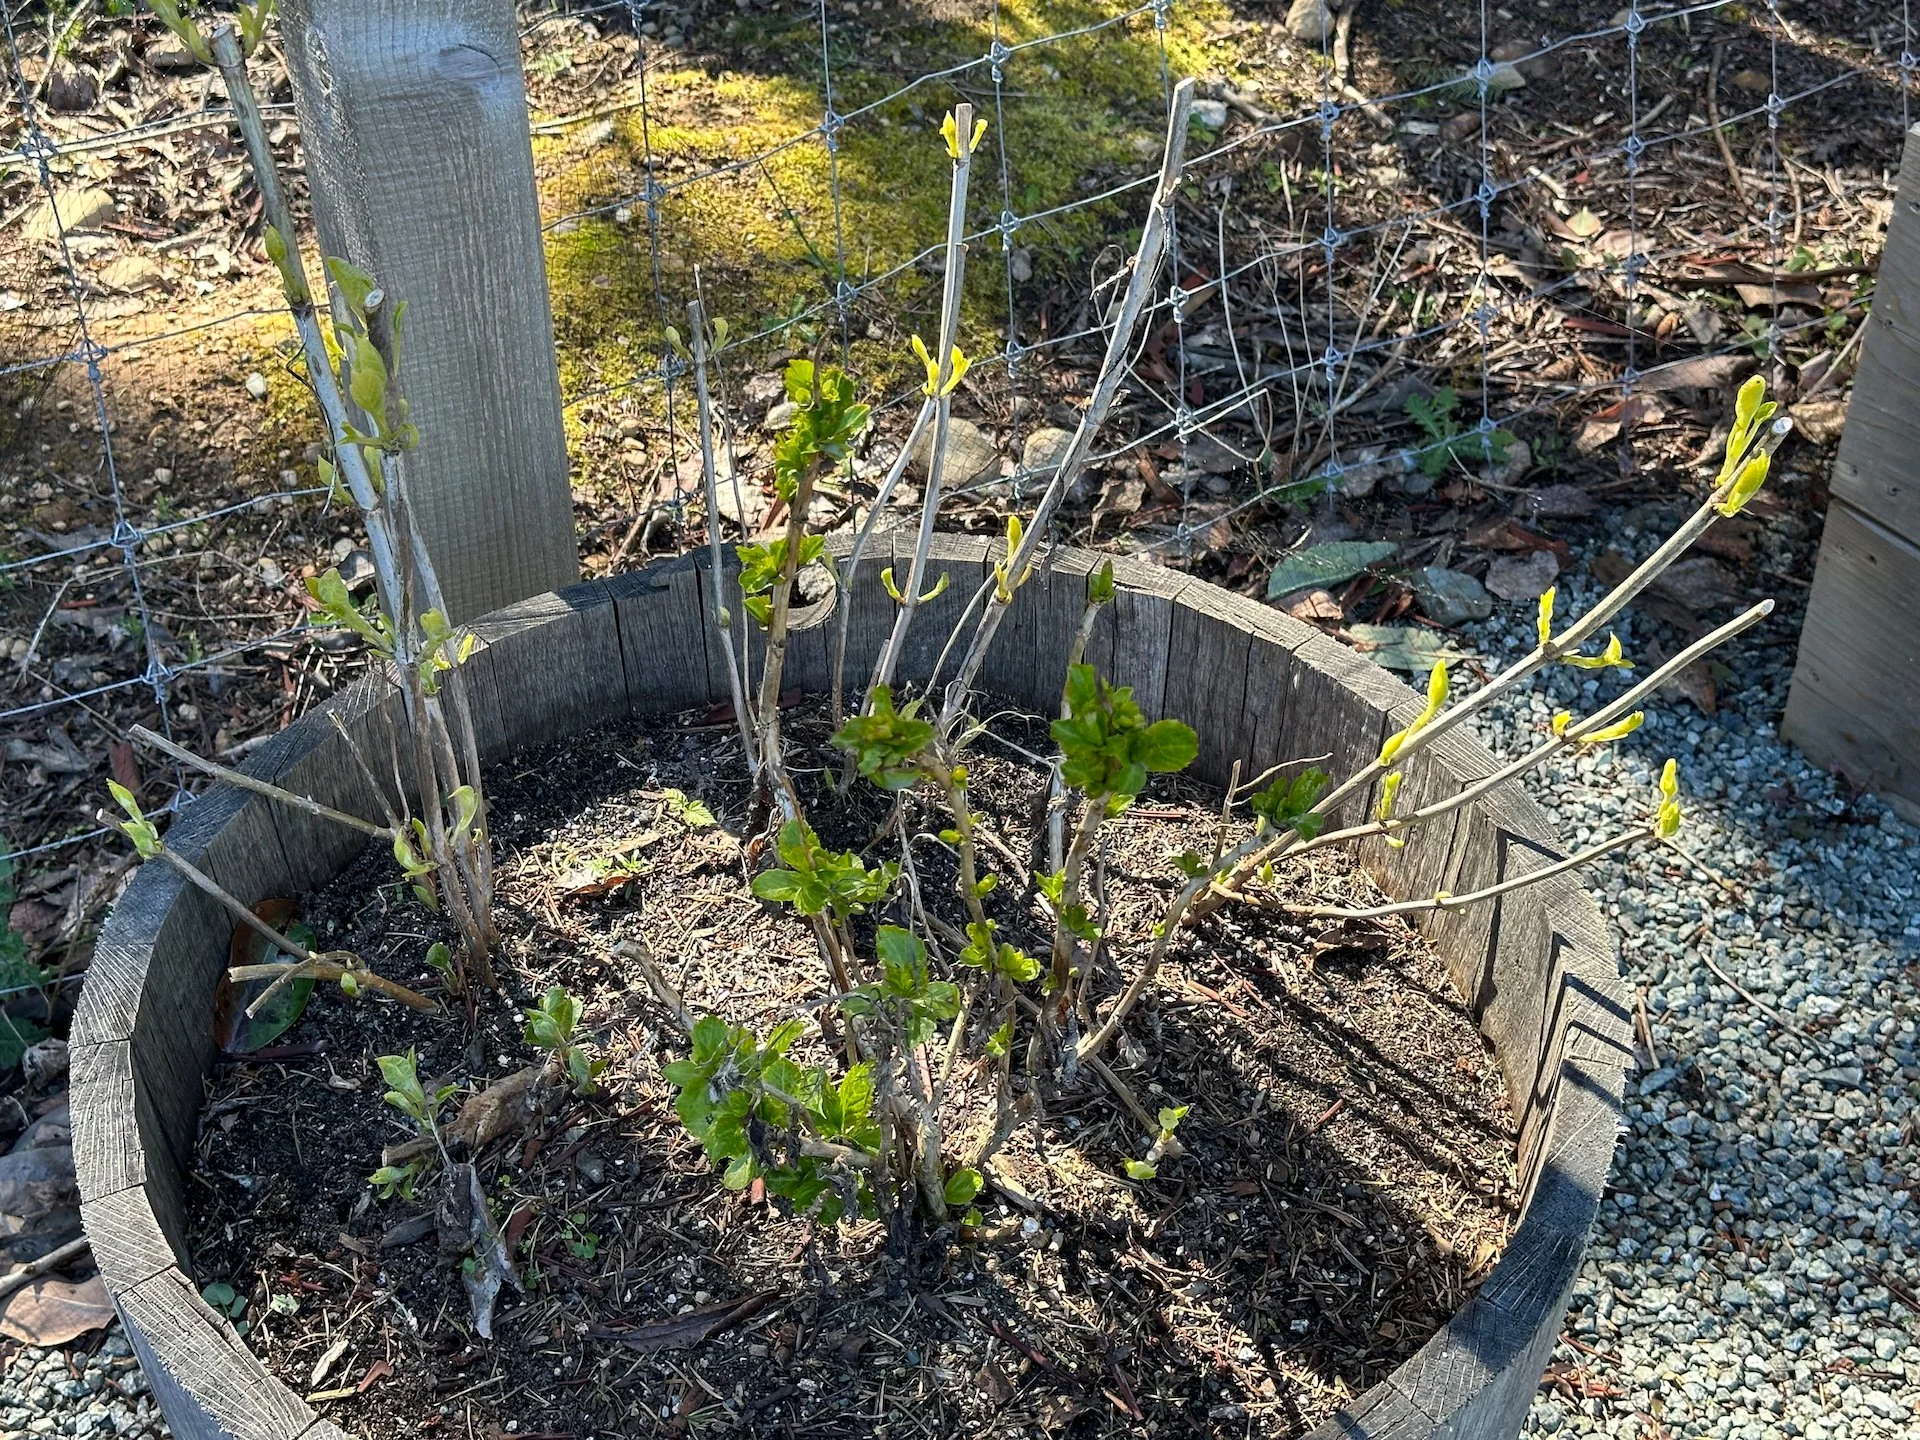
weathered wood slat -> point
(1131, 644)
(661, 615)
(1874, 470)
(1855, 701)
(568, 636)
(209, 1384)
(315, 761)
(413, 115)
(1336, 714)
(128, 1243)
(1536, 966)
(1028, 662)
(1207, 659)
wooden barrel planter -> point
(1535, 966)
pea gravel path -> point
(1755, 1274)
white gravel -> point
(1738, 1282)
(44, 1392)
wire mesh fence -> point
(1530, 276)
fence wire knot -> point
(997, 56)
(1160, 9)
(1328, 113)
(1908, 61)
(1635, 22)
(1330, 239)
(830, 124)
(1009, 222)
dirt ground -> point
(1347, 1178)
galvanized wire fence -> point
(1319, 275)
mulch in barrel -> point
(1347, 1178)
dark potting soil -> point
(1347, 1183)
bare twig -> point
(260, 787)
(1713, 121)
(52, 1260)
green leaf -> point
(898, 947)
(284, 1006)
(682, 1073)
(1412, 648)
(1167, 746)
(1141, 1170)
(1326, 565)
(353, 283)
(777, 885)
(692, 813)
(1171, 1116)
(963, 1185)
(709, 1039)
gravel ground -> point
(52, 1392)
(1746, 1281)
(1755, 1272)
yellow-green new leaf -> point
(1610, 658)
(1436, 698)
(1752, 476)
(1666, 821)
(1543, 623)
(1616, 731)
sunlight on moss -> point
(1081, 115)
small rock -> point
(72, 208)
(170, 57)
(780, 416)
(1820, 419)
(1211, 113)
(1450, 597)
(1043, 452)
(1522, 581)
(1556, 502)
(1214, 457)
(1310, 22)
(971, 455)
(269, 571)
(357, 570)
(257, 385)
(1020, 264)
(1514, 468)
(132, 274)
(592, 1169)
(71, 89)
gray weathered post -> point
(1855, 701)
(413, 117)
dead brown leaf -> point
(1605, 425)
(683, 1332)
(1557, 502)
(53, 1311)
(1313, 605)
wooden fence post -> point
(413, 119)
(1855, 701)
